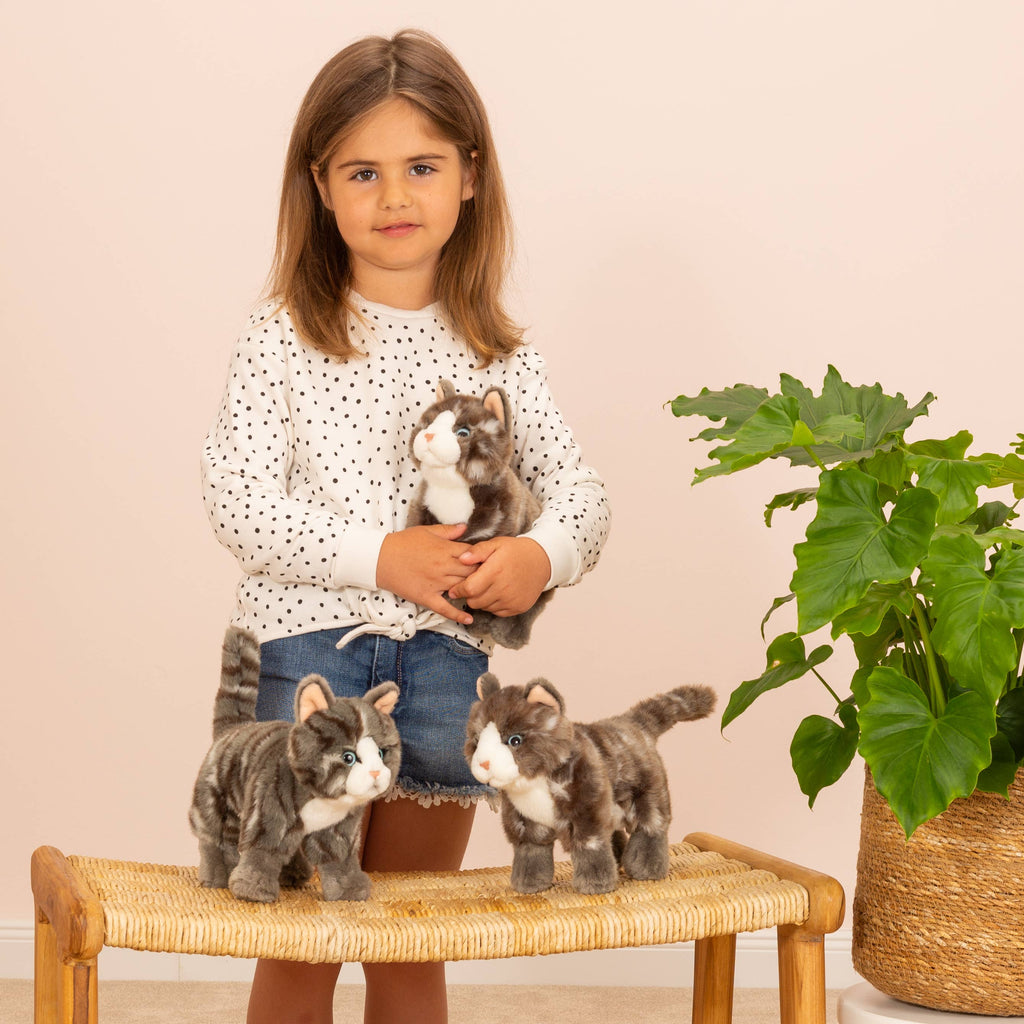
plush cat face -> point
(464, 432)
(343, 748)
(516, 733)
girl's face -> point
(395, 188)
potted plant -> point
(911, 555)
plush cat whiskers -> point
(272, 799)
(463, 447)
(601, 789)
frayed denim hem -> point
(431, 794)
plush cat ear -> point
(383, 697)
(497, 404)
(486, 685)
(313, 694)
(542, 692)
(445, 389)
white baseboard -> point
(649, 966)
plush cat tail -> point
(239, 678)
(656, 715)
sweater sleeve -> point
(246, 463)
(575, 517)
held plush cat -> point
(272, 799)
(463, 447)
(600, 788)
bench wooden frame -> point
(721, 889)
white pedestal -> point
(863, 1004)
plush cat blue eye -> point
(514, 740)
(349, 758)
(462, 432)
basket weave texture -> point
(939, 921)
(417, 917)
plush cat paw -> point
(213, 870)
(214, 879)
(296, 872)
(352, 886)
(252, 886)
(533, 868)
(646, 857)
(594, 871)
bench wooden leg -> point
(65, 993)
(714, 970)
(801, 976)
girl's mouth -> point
(399, 230)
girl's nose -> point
(395, 194)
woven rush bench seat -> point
(714, 890)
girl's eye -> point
(515, 740)
(462, 432)
(421, 169)
(364, 175)
(349, 758)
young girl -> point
(392, 247)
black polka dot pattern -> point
(307, 466)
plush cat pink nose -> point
(428, 438)
(374, 774)
(486, 765)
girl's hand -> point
(511, 573)
(422, 562)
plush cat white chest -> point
(323, 812)
(532, 799)
(447, 495)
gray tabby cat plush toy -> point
(272, 799)
(600, 788)
(463, 447)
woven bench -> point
(714, 890)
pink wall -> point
(708, 193)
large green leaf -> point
(850, 544)
(734, 405)
(991, 515)
(790, 500)
(884, 417)
(1002, 769)
(823, 749)
(1005, 470)
(942, 468)
(786, 661)
(866, 616)
(1010, 719)
(976, 611)
(920, 761)
(872, 648)
(888, 468)
(774, 428)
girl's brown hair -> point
(311, 275)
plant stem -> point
(821, 679)
(938, 698)
(821, 465)
(913, 661)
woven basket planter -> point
(939, 921)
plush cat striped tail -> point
(235, 702)
(658, 714)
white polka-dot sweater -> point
(307, 467)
